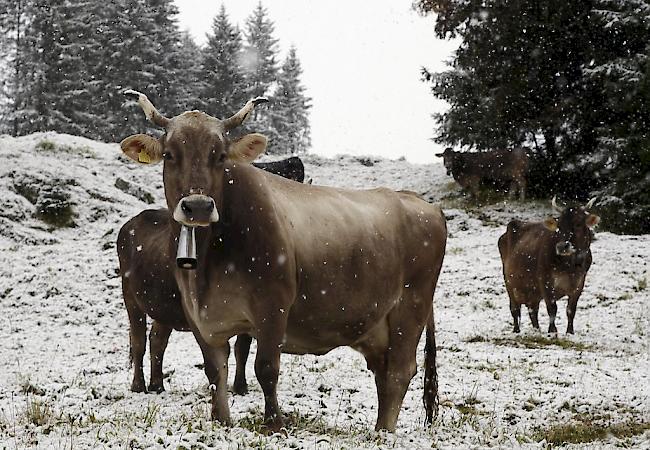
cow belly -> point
(318, 325)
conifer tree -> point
(260, 53)
(290, 112)
(223, 84)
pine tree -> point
(260, 53)
(260, 65)
(13, 29)
(191, 73)
(621, 68)
(290, 112)
(223, 85)
(569, 80)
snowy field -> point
(65, 376)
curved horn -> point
(590, 203)
(150, 111)
(554, 204)
(237, 119)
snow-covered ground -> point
(65, 376)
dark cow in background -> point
(470, 170)
(149, 289)
(547, 260)
(291, 168)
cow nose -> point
(564, 248)
(196, 210)
(197, 205)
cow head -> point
(196, 152)
(573, 230)
(447, 158)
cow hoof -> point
(138, 387)
(240, 388)
(157, 388)
(273, 426)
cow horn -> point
(237, 119)
(554, 204)
(590, 203)
(150, 111)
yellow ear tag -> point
(144, 157)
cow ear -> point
(142, 148)
(550, 223)
(440, 155)
(592, 220)
(247, 148)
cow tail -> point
(430, 396)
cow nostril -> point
(186, 208)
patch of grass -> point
(49, 146)
(476, 338)
(541, 341)
(27, 387)
(151, 414)
(38, 412)
(532, 341)
(588, 431)
(455, 251)
(46, 146)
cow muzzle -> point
(564, 248)
(196, 210)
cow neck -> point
(246, 219)
(249, 217)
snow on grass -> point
(65, 377)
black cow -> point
(291, 168)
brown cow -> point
(497, 166)
(302, 268)
(547, 260)
(149, 289)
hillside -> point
(64, 370)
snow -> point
(65, 376)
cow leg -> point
(522, 188)
(533, 313)
(137, 342)
(571, 311)
(512, 192)
(158, 339)
(551, 307)
(393, 360)
(216, 369)
(242, 348)
(515, 310)
(267, 368)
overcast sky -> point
(361, 62)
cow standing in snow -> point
(149, 289)
(470, 170)
(547, 260)
(302, 268)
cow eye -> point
(167, 156)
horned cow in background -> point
(547, 260)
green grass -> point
(588, 431)
(533, 342)
(49, 146)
